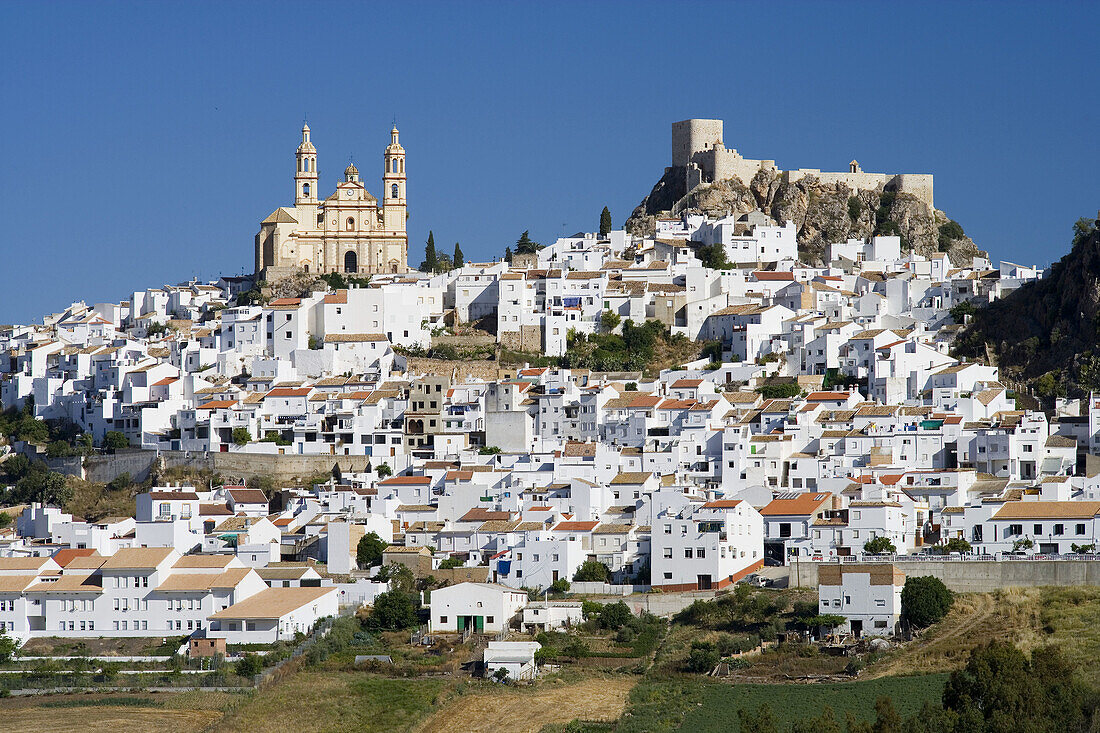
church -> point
(347, 232)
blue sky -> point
(143, 142)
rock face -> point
(1045, 333)
(822, 212)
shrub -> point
(703, 657)
(592, 571)
(242, 436)
(855, 208)
(249, 665)
(925, 600)
(879, 546)
(114, 440)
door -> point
(463, 622)
(857, 628)
(703, 582)
(555, 576)
(479, 624)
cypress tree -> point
(508, 255)
(459, 260)
(605, 222)
(431, 259)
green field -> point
(699, 706)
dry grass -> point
(108, 719)
(1011, 614)
(527, 710)
(336, 701)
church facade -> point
(350, 231)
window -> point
(668, 576)
(393, 191)
(349, 225)
(668, 529)
(1038, 529)
(1080, 529)
(442, 619)
(700, 552)
(880, 603)
(489, 619)
(1059, 529)
(687, 552)
(668, 552)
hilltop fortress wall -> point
(697, 147)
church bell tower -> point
(305, 174)
(393, 188)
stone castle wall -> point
(698, 148)
(527, 338)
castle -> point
(346, 232)
(697, 147)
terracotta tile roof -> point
(801, 505)
(1048, 510)
(137, 558)
(273, 603)
(722, 504)
(575, 526)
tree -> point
(383, 470)
(605, 222)
(249, 665)
(119, 482)
(5, 520)
(525, 245)
(8, 646)
(713, 256)
(241, 436)
(879, 546)
(431, 259)
(925, 600)
(452, 562)
(609, 320)
(114, 440)
(615, 615)
(393, 611)
(591, 571)
(368, 552)
(508, 255)
(956, 544)
(703, 657)
(887, 719)
(458, 260)
(489, 450)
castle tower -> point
(305, 172)
(393, 186)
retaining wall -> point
(979, 576)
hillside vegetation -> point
(1045, 332)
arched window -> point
(351, 262)
(402, 166)
(305, 189)
(393, 191)
(350, 224)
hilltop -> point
(822, 211)
(1045, 332)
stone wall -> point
(980, 576)
(139, 463)
(527, 338)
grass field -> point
(188, 712)
(496, 709)
(702, 705)
(337, 701)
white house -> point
(868, 596)
(274, 614)
(516, 658)
(483, 607)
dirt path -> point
(527, 711)
(967, 625)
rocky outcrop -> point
(1045, 333)
(822, 212)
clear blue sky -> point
(144, 142)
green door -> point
(479, 624)
(461, 624)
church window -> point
(393, 165)
(402, 166)
(350, 224)
(305, 189)
(393, 191)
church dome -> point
(351, 170)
